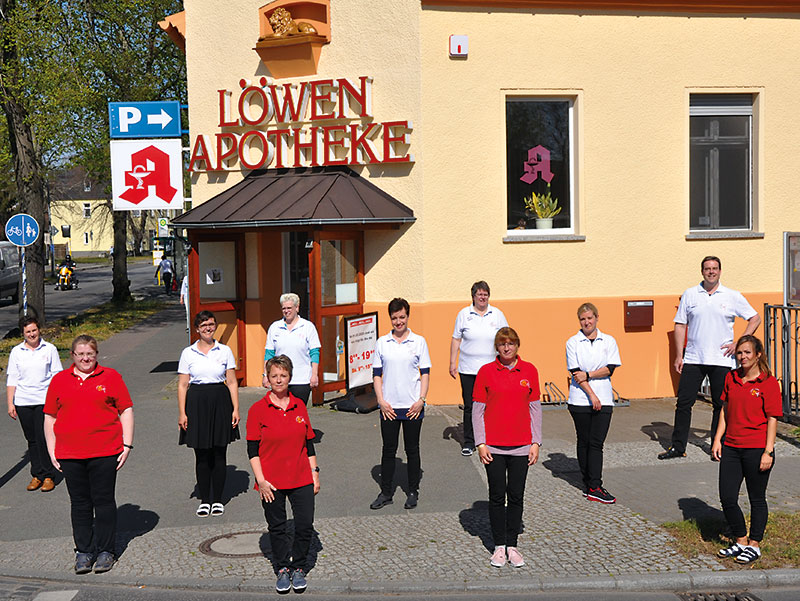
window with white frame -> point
(87, 210)
(721, 161)
(539, 164)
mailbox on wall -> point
(639, 313)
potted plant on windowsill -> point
(545, 206)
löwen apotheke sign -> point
(309, 123)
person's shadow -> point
(133, 521)
(710, 520)
(237, 482)
(662, 433)
(313, 551)
(564, 467)
(475, 521)
(400, 476)
(454, 433)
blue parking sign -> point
(158, 119)
(22, 230)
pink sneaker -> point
(499, 557)
(515, 557)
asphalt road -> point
(32, 590)
(94, 288)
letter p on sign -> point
(128, 115)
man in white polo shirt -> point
(706, 312)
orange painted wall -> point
(544, 326)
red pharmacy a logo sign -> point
(149, 167)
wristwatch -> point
(316, 469)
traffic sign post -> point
(160, 119)
(22, 230)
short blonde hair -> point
(587, 307)
(84, 339)
(290, 297)
(281, 361)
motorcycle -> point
(66, 278)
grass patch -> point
(102, 322)
(704, 536)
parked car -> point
(9, 271)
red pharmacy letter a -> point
(149, 167)
(537, 165)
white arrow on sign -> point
(163, 118)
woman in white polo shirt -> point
(592, 356)
(296, 338)
(401, 373)
(208, 410)
(31, 366)
(471, 348)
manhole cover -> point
(741, 596)
(235, 544)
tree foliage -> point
(73, 57)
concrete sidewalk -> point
(569, 543)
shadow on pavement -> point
(475, 521)
(706, 516)
(237, 482)
(133, 521)
(14, 469)
(400, 476)
(454, 433)
(564, 467)
(313, 551)
(165, 367)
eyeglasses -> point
(85, 355)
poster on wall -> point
(361, 334)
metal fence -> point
(781, 342)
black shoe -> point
(671, 453)
(411, 500)
(748, 555)
(105, 561)
(601, 495)
(83, 563)
(380, 501)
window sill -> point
(725, 235)
(543, 238)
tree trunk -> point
(120, 281)
(27, 169)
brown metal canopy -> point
(298, 197)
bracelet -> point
(129, 446)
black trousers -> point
(506, 475)
(301, 391)
(390, 433)
(91, 484)
(31, 418)
(467, 386)
(167, 278)
(210, 468)
(734, 466)
(691, 380)
(591, 429)
(302, 502)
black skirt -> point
(209, 411)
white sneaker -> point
(217, 509)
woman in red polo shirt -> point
(88, 425)
(281, 451)
(749, 424)
(507, 419)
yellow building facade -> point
(666, 132)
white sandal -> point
(203, 510)
(217, 509)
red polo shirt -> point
(87, 412)
(749, 405)
(507, 394)
(282, 437)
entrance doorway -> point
(297, 247)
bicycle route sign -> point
(22, 230)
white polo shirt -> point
(206, 369)
(295, 344)
(31, 370)
(476, 333)
(710, 318)
(588, 355)
(401, 362)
